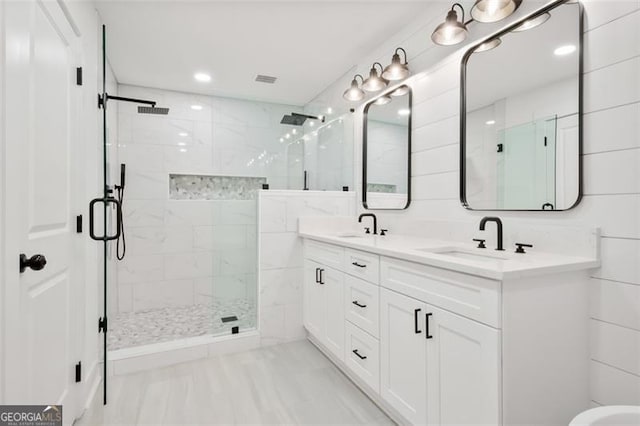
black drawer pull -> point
(429, 336)
(321, 276)
(355, 351)
(359, 265)
(355, 302)
(415, 320)
(317, 275)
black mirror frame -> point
(365, 116)
(463, 103)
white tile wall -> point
(281, 273)
(611, 169)
(181, 252)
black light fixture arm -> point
(461, 9)
(379, 64)
(404, 52)
(361, 78)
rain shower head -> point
(296, 119)
(153, 110)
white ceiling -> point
(306, 44)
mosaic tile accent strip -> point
(131, 329)
(382, 187)
(204, 187)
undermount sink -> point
(351, 236)
(467, 255)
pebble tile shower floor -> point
(130, 329)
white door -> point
(403, 358)
(333, 286)
(463, 371)
(314, 300)
(40, 117)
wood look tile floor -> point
(293, 383)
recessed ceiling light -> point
(565, 50)
(181, 144)
(329, 110)
(294, 131)
(287, 136)
(404, 112)
(490, 122)
(196, 107)
(202, 77)
(183, 150)
(281, 140)
(183, 134)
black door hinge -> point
(79, 76)
(79, 372)
(102, 325)
(100, 101)
(545, 141)
(79, 224)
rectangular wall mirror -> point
(386, 148)
(521, 115)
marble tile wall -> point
(281, 270)
(186, 252)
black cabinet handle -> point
(317, 275)
(359, 265)
(481, 243)
(429, 336)
(321, 277)
(35, 262)
(415, 321)
(355, 351)
(521, 247)
(355, 302)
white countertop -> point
(460, 257)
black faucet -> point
(498, 222)
(375, 221)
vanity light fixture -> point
(488, 11)
(532, 23)
(397, 70)
(565, 50)
(354, 93)
(451, 31)
(375, 83)
(488, 45)
(382, 100)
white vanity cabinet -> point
(434, 346)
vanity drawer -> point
(362, 355)
(361, 304)
(325, 254)
(467, 295)
(362, 265)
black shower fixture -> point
(296, 119)
(151, 109)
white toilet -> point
(612, 415)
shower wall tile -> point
(138, 213)
(160, 294)
(281, 258)
(189, 213)
(189, 265)
(137, 269)
(146, 185)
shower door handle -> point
(106, 201)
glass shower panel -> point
(526, 161)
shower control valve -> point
(521, 246)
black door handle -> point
(429, 336)
(106, 201)
(317, 275)
(321, 277)
(355, 351)
(36, 262)
(359, 265)
(415, 320)
(355, 302)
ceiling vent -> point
(265, 79)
